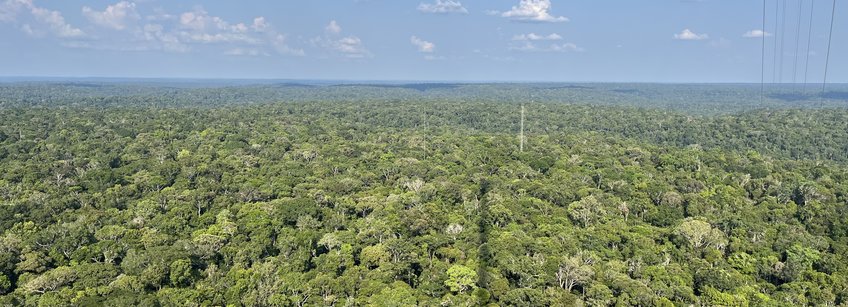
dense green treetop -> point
(398, 202)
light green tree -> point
(460, 278)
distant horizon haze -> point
(259, 81)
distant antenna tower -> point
(426, 127)
(521, 137)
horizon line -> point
(118, 79)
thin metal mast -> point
(776, 33)
(763, 59)
(521, 145)
(809, 41)
(797, 42)
(829, 39)
(782, 40)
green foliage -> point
(180, 272)
(700, 234)
(396, 295)
(461, 278)
(50, 281)
(355, 199)
(5, 284)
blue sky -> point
(447, 40)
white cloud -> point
(533, 10)
(431, 57)
(537, 37)
(42, 20)
(688, 35)
(200, 27)
(351, 47)
(246, 52)
(114, 16)
(525, 47)
(756, 34)
(259, 24)
(279, 44)
(423, 46)
(10, 9)
(200, 20)
(56, 23)
(160, 14)
(120, 27)
(333, 28)
(348, 46)
(443, 7)
(209, 38)
(28, 30)
(193, 30)
(564, 47)
(499, 58)
(192, 20)
(155, 34)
